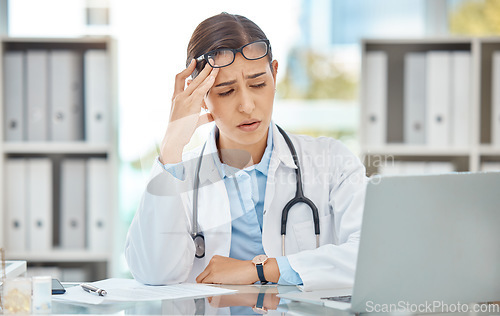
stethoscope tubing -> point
(299, 198)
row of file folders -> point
(83, 200)
(427, 167)
(65, 274)
(56, 95)
(437, 103)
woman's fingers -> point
(201, 91)
(203, 275)
(186, 105)
(200, 79)
(180, 78)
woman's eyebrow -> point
(256, 75)
(228, 83)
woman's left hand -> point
(224, 270)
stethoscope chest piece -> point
(199, 244)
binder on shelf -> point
(416, 167)
(461, 99)
(37, 95)
(438, 98)
(66, 96)
(414, 98)
(54, 272)
(76, 274)
(490, 166)
(375, 89)
(40, 204)
(15, 177)
(72, 204)
(98, 204)
(391, 168)
(495, 100)
(439, 167)
(96, 73)
(14, 62)
(403, 168)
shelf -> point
(54, 148)
(420, 151)
(383, 122)
(48, 40)
(59, 256)
(488, 150)
(90, 63)
(420, 40)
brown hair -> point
(223, 30)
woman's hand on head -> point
(185, 112)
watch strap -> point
(260, 273)
(260, 300)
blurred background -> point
(318, 45)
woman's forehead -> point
(244, 68)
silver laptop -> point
(424, 240)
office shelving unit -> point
(95, 264)
(464, 158)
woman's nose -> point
(247, 104)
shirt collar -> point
(211, 173)
(226, 170)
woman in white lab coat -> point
(245, 154)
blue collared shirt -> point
(246, 191)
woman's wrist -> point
(272, 270)
(171, 152)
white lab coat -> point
(160, 249)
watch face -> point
(260, 259)
(259, 310)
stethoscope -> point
(199, 239)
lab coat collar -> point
(208, 170)
(281, 150)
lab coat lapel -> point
(214, 212)
(281, 157)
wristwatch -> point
(259, 262)
(259, 306)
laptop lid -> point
(425, 239)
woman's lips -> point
(249, 127)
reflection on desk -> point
(241, 303)
(249, 300)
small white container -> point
(42, 295)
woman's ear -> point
(188, 82)
(204, 105)
(274, 69)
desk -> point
(239, 303)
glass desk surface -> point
(243, 302)
(249, 300)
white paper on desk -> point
(127, 290)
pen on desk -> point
(92, 289)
